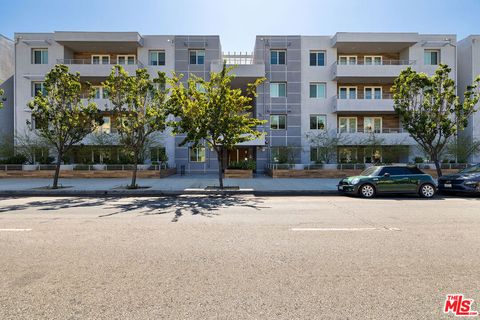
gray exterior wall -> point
(7, 67)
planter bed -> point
(238, 173)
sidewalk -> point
(173, 185)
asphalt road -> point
(236, 257)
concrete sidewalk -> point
(173, 185)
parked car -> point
(389, 180)
(465, 181)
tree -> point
(461, 148)
(214, 112)
(327, 143)
(60, 116)
(33, 147)
(430, 110)
(139, 106)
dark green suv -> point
(389, 179)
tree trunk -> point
(220, 166)
(57, 171)
(437, 167)
(133, 185)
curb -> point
(157, 193)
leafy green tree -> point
(430, 110)
(461, 148)
(139, 104)
(214, 112)
(62, 119)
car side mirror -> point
(386, 174)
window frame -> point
(372, 119)
(316, 52)
(348, 89)
(41, 50)
(34, 92)
(126, 56)
(100, 59)
(317, 116)
(196, 56)
(157, 52)
(278, 51)
(278, 127)
(278, 89)
(372, 88)
(348, 60)
(316, 84)
(373, 60)
(348, 129)
(430, 51)
(198, 156)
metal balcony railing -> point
(89, 62)
(372, 130)
(377, 63)
(235, 58)
(362, 96)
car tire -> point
(427, 190)
(367, 191)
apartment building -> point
(6, 84)
(468, 71)
(338, 84)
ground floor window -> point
(373, 154)
(158, 154)
(197, 154)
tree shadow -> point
(203, 205)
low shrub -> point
(243, 165)
(16, 159)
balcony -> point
(87, 69)
(382, 72)
(364, 104)
(384, 136)
(244, 63)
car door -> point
(385, 181)
(395, 180)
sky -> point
(238, 22)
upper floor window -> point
(317, 58)
(38, 88)
(156, 58)
(431, 57)
(126, 59)
(278, 122)
(100, 59)
(317, 90)
(197, 154)
(373, 93)
(347, 60)
(278, 89)
(278, 56)
(40, 56)
(372, 124)
(100, 92)
(347, 93)
(197, 56)
(106, 127)
(372, 60)
(347, 124)
(318, 122)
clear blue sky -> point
(237, 22)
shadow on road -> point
(195, 205)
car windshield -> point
(369, 171)
(473, 169)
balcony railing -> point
(89, 62)
(378, 63)
(373, 131)
(235, 58)
(361, 96)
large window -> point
(100, 92)
(347, 60)
(158, 154)
(40, 56)
(278, 56)
(100, 59)
(197, 154)
(278, 122)
(373, 93)
(317, 58)
(372, 124)
(316, 154)
(431, 57)
(38, 88)
(372, 60)
(347, 154)
(278, 89)
(318, 122)
(347, 124)
(197, 56)
(156, 58)
(347, 93)
(317, 90)
(126, 59)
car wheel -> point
(427, 190)
(367, 191)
